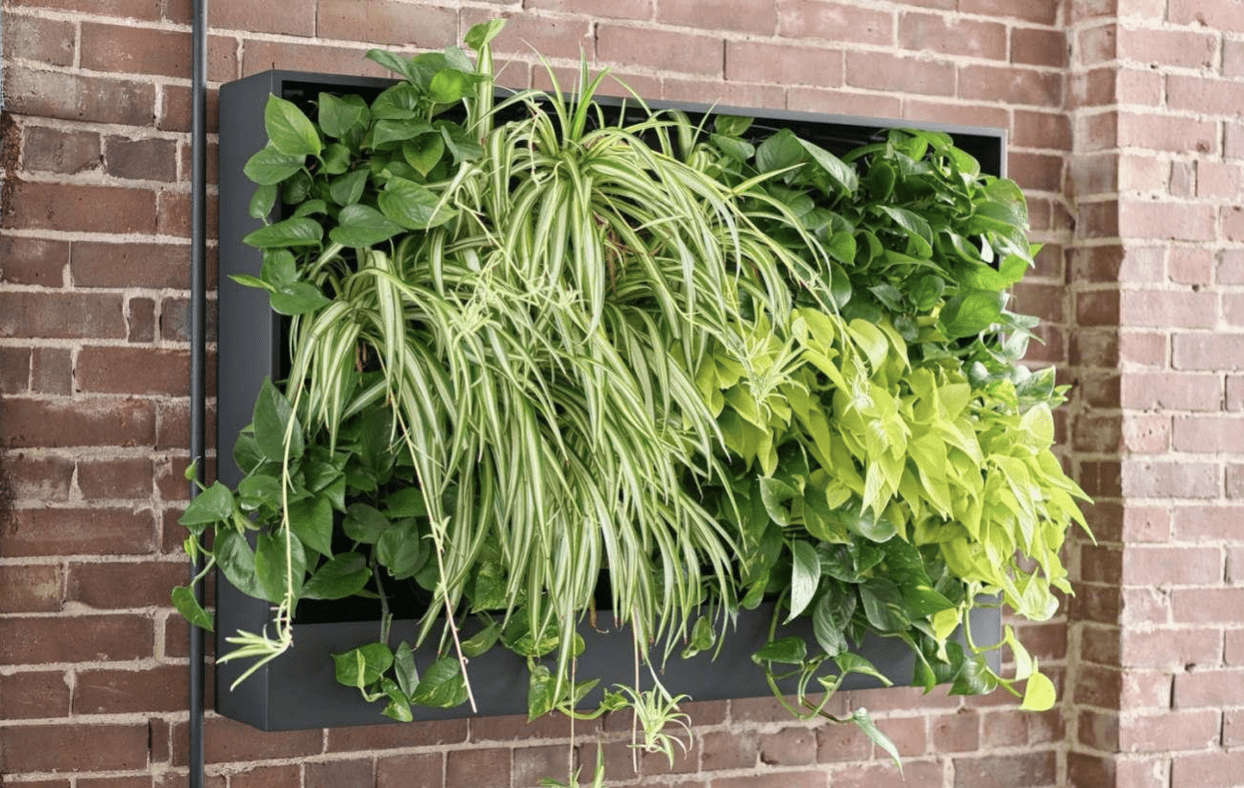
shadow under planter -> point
(298, 690)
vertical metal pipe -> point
(198, 352)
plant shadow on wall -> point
(546, 358)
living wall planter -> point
(298, 689)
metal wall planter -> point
(298, 690)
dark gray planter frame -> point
(298, 690)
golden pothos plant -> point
(535, 345)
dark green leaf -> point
(213, 505)
(348, 189)
(258, 491)
(830, 618)
(883, 605)
(336, 159)
(269, 167)
(413, 206)
(235, 559)
(279, 268)
(975, 678)
(805, 576)
(925, 291)
(788, 650)
(731, 125)
(404, 667)
(263, 199)
(779, 151)
(272, 419)
(363, 666)
(398, 707)
(739, 150)
(190, 609)
(272, 561)
(483, 640)
(402, 550)
(298, 298)
(838, 171)
(362, 226)
(364, 524)
(424, 152)
(290, 131)
(298, 231)
(540, 692)
(338, 116)
(395, 63)
(341, 576)
(406, 502)
(397, 130)
(865, 723)
(441, 685)
(312, 522)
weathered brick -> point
(1038, 47)
(1171, 730)
(40, 40)
(664, 50)
(880, 71)
(835, 22)
(1208, 433)
(952, 36)
(1212, 689)
(423, 770)
(140, 320)
(1006, 771)
(33, 261)
(1167, 48)
(1206, 605)
(1190, 265)
(1202, 351)
(612, 9)
(156, 689)
(758, 17)
(40, 477)
(1167, 647)
(792, 746)
(1182, 565)
(126, 9)
(31, 588)
(488, 768)
(1167, 221)
(1171, 391)
(96, 531)
(121, 584)
(783, 64)
(1162, 133)
(51, 370)
(68, 96)
(141, 159)
(387, 22)
(332, 774)
(1212, 769)
(132, 370)
(60, 315)
(1011, 85)
(56, 150)
(1221, 15)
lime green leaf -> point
(1039, 693)
(424, 152)
(971, 312)
(482, 33)
(362, 226)
(213, 505)
(360, 667)
(297, 231)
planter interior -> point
(298, 690)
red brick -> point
(227, 741)
(879, 71)
(916, 774)
(1191, 265)
(30, 695)
(423, 770)
(663, 50)
(1182, 565)
(1097, 308)
(937, 111)
(96, 422)
(151, 265)
(60, 151)
(54, 206)
(1019, 770)
(952, 36)
(1161, 133)
(1215, 523)
(1207, 605)
(1171, 391)
(1011, 85)
(1215, 769)
(1233, 648)
(132, 370)
(466, 767)
(1202, 351)
(33, 261)
(1209, 688)
(1041, 130)
(39, 40)
(726, 94)
(722, 750)
(874, 105)
(1038, 47)
(140, 320)
(262, 55)
(387, 22)
(1215, 179)
(39, 477)
(285, 776)
(36, 641)
(93, 746)
(117, 585)
(1166, 221)
(31, 588)
(129, 9)
(1098, 219)
(1208, 433)
(783, 64)
(1093, 88)
(612, 9)
(1222, 15)
(792, 746)
(1233, 728)
(958, 732)
(1035, 171)
(1145, 605)
(1233, 222)
(94, 531)
(795, 779)
(293, 18)
(142, 159)
(67, 96)
(834, 22)
(1168, 48)
(1205, 96)
(1145, 689)
(60, 315)
(744, 16)
(117, 478)
(162, 688)
(1086, 769)
(332, 774)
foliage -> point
(534, 345)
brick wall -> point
(1130, 149)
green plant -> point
(536, 344)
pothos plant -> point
(537, 349)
